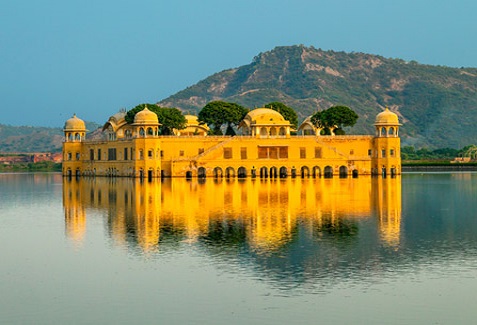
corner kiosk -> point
(264, 149)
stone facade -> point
(265, 149)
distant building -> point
(264, 149)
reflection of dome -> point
(146, 117)
(387, 118)
(74, 124)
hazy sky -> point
(94, 57)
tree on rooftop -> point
(335, 117)
(218, 113)
(287, 112)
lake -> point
(329, 251)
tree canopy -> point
(169, 117)
(335, 117)
(287, 112)
(218, 113)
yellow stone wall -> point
(175, 156)
(264, 153)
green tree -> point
(335, 117)
(287, 112)
(218, 113)
(169, 118)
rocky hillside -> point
(437, 105)
(33, 139)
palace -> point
(265, 149)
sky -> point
(94, 57)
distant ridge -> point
(23, 139)
(436, 104)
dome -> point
(116, 121)
(74, 124)
(387, 118)
(146, 117)
(265, 114)
(192, 120)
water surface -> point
(330, 251)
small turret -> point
(387, 144)
(74, 129)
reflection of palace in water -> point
(264, 214)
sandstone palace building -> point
(263, 149)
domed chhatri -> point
(265, 148)
(265, 122)
(193, 127)
(74, 124)
(387, 117)
(146, 117)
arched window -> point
(263, 131)
(150, 131)
(141, 132)
(391, 131)
(383, 131)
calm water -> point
(325, 251)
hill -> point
(33, 139)
(437, 105)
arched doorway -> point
(263, 172)
(201, 172)
(241, 172)
(273, 172)
(316, 172)
(188, 174)
(218, 172)
(393, 171)
(229, 172)
(355, 173)
(328, 172)
(305, 172)
(343, 172)
(283, 172)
